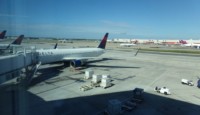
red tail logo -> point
(2, 34)
(18, 41)
(182, 42)
(103, 42)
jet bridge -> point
(19, 64)
(26, 60)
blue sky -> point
(147, 19)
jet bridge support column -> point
(29, 70)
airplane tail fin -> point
(103, 42)
(182, 42)
(55, 47)
(18, 41)
(2, 34)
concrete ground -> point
(55, 90)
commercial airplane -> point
(184, 43)
(127, 44)
(2, 34)
(76, 56)
(15, 43)
(133, 43)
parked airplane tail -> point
(55, 47)
(103, 42)
(2, 34)
(18, 41)
(182, 42)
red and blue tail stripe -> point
(2, 34)
(18, 41)
(103, 42)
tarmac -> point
(55, 90)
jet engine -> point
(77, 63)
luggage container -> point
(105, 82)
(88, 74)
(96, 78)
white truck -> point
(187, 82)
(163, 90)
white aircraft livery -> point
(127, 44)
(76, 56)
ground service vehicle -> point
(187, 82)
(163, 90)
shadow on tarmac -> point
(22, 101)
(103, 59)
(46, 73)
(105, 66)
(54, 70)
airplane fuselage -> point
(57, 55)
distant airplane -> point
(184, 43)
(133, 43)
(2, 34)
(15, 43)
(76, 56)
(127, 44)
